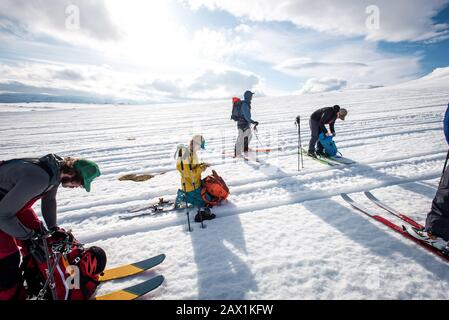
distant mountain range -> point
(436, 76)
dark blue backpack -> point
(328, 143)
(236, 109)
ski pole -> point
(187, 208)
(259, 144)
(193, 185)
(257, 137)
(185, 192)
(63, 247)
(444, 168)
(299, 150)
(298, 124)
(300, 142)
(50, 278)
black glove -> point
(256, 123)
(59, 234)
(39, 233)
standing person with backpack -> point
(22, 183)
(317, 123)
(242, 114)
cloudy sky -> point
(179, 50)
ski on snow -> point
(399, 229)
(401, 216)
(162, 206)
(133, 292)
(331, 161)
(342, 160)
(414, 229)
(131, 269)
(257, 150)
(320, 159)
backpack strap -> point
(41, 164)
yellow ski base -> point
(118, 295)
(135, 291)
(120, 272)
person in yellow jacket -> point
(190, 170)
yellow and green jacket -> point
(190, 170)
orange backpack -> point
(214, 189)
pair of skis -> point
(407, 231)
(162, 206)
(330, 161)
(257, 150)
(129, 270)
(154, 206)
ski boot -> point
(434, 241)
(312, 154)
(204, 214)
(321, 153)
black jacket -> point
(326, 116)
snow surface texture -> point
(283, 234)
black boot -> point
(311, 154)
(321, 153)
(204, 214)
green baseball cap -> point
(88, 170)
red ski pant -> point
(11, 284)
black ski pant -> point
(437, 221)
(315, 136)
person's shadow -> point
(217, 252)
(357, 227)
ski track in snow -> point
(282, 234)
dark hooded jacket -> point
(245, 119)
(326, 116)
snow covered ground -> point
(283, 234)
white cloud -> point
(400, 20)
(314, 85)
(209, 84)
(302, 63)
(67, 74)
(360, 64)
(85, 80)
(154, 55)
(42, 17)
(212, 43)
(232, 82)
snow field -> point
(283, 234)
